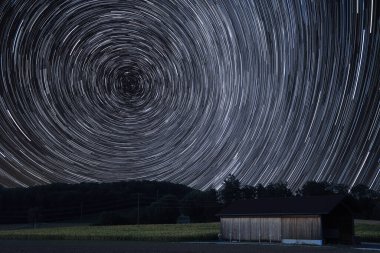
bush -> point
(164, 211)
(111, 218)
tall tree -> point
(340, 189)
(200, 206)
(312, 188)
(362, 191)
(363, 200)
(231, 190)
(248, 192)
(279, 189)
(260, 191)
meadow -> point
(162, 232)
(368, 230)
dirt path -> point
(10, 246)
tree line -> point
(128, 202)
(151, 202)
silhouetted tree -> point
(376, 211)
(34, 215)
(248, 192)
(60, 202)
(231, 190)
(112, 218)
(312, 188)
(362, 191)
(200, 206)
(364, 200)
(279, 189)
(260, 191)
(212, 205)
(165, 210)
(340, 189)
(192, 205)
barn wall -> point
(245, 229)
(255, 229)
(304, 228)
(338, 226)
(271, 228)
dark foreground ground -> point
(15, 246)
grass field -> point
(172, 232)
(367, 230)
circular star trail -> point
(189, 91)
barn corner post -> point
(230, 230)
(353, 239)
(270, 233)
(321, 230)
(239, 219)
(259, 234)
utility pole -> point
(81, 210)
(138, 208)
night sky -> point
(189, 91)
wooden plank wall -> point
(274, 229)
(308, 228)
(255, 229)
(235, 228)
(271, 228)
(245, 229)
(264, 229)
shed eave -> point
(267, 214)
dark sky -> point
(189, 91)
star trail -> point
(189, 91)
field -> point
(367, 230)
(173, 232)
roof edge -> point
(268, 214)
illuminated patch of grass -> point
(367, 231)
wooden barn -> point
(304, 220)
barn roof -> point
(314, 205)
